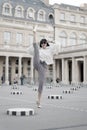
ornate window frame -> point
(7, 9)
(41, 15)
(7, 37)
(73, 39)
(19, 38)
(30, 13)
(19, 11)
(82, 20)
(83, 38)
(72, 18)
(63, 38)
(62, 16)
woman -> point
(43, 56)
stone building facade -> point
(71, 32)
(64, 24)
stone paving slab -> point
(70, 113)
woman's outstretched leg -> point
(36, 56)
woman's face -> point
(44, 45)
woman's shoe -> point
(38, 104)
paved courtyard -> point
(68, 113)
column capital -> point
(85, 56)
(20, 57)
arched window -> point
(63, 38)
(30, 13)
(41, 15)
(73, 39)
(19, 11)
(51, 19)
(83, 39)
(7, 9)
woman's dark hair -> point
(43, 41)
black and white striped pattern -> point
(55, 97)
(16, 92)
(15, 86)
(48, 87)
(35, 89)
(74, 89)
(20, 112)
(67, 91)
(78, 87)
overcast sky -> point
(70, 2)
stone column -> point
(20, 67)
(57, 69)
(73, 70)
(63, 72)
(66, 72)
(85, 69)
(1, 69)
(25, 66)
(78, 71)
(54, 72)
(32, 70)
(7, 70)
(13, 69)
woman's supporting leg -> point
(41, 73)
